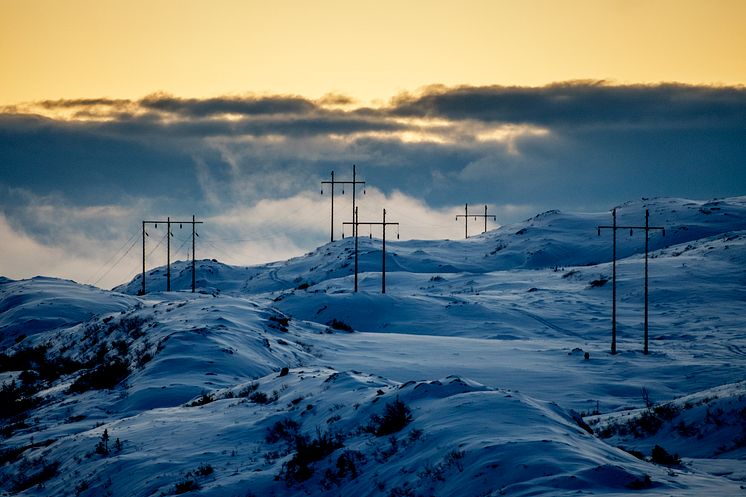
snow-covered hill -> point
(468, 377)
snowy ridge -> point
(468, 377)
(550, 239)
(41, 304)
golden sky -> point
(370, 50)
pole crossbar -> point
(333, 182)
(355, 224)
(168, 222)
(466, 217)
(614, 227)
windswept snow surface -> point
(476, 354)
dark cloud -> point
(603, 145)
(248, 106)
(83, 102)
(87, 167)
(582, 103)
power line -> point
(116, 263)
(466, 216)
(168, 223)
(614, 227)
(354, 184)
(103, 266)
(383, 224)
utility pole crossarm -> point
(354, 184)
(614, 227)
(372, 223)
(620, 227)
(168, 222)
(355, 224)
(466, 217)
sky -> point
(114, 112)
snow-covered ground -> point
(469, 376)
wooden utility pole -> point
(466, 215)
(614, 227)
(168, 254)
(383, 224)
(168, 223)
(354, 184)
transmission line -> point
(116, 263)
(114, 255)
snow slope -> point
(41, 304)
(253, 387)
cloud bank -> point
(80, 175)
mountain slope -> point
(276, 379)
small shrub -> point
(248, 390)
(279, 323)
(23, 481)
(307, 451)
(661, 456)
(640, 484)
(284, 430)
(105, 376)
(204, 470)
(647, 424)
(14, 400)
(121, 346)
(403, 491)
(639, 455)
(81, 487)
(186, 485)
(454, 458)
(262, 398)
(202, 400)
(339, 325)
(599, 282)
(102, 447)
(347, 463)
(396, 415)
(143, 359)
(686, 430)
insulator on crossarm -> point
(180, 226)
(599, 231)
(630, 232)
(322, 192)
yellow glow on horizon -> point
(371, 51)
